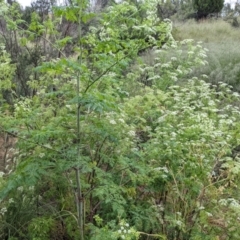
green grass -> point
(223, 43)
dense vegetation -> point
(206, 7)
(115, 125)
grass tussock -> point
(222, 41)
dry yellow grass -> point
(222, 41)
(217, 31)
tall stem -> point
(79, 194)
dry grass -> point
(217, 31)
(222, 41)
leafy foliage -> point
(153, 150)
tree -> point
(43, 7)
(166, 9)
(186, 10)
(107, 53)
(206, 7)
(146, 148)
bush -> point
(206, 7)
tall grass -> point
(223, 43)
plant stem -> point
(79, 195)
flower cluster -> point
(127, 233)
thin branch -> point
(53, 46)
(152, 235)
(103, 73)
(118, 61)
(30, 141)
